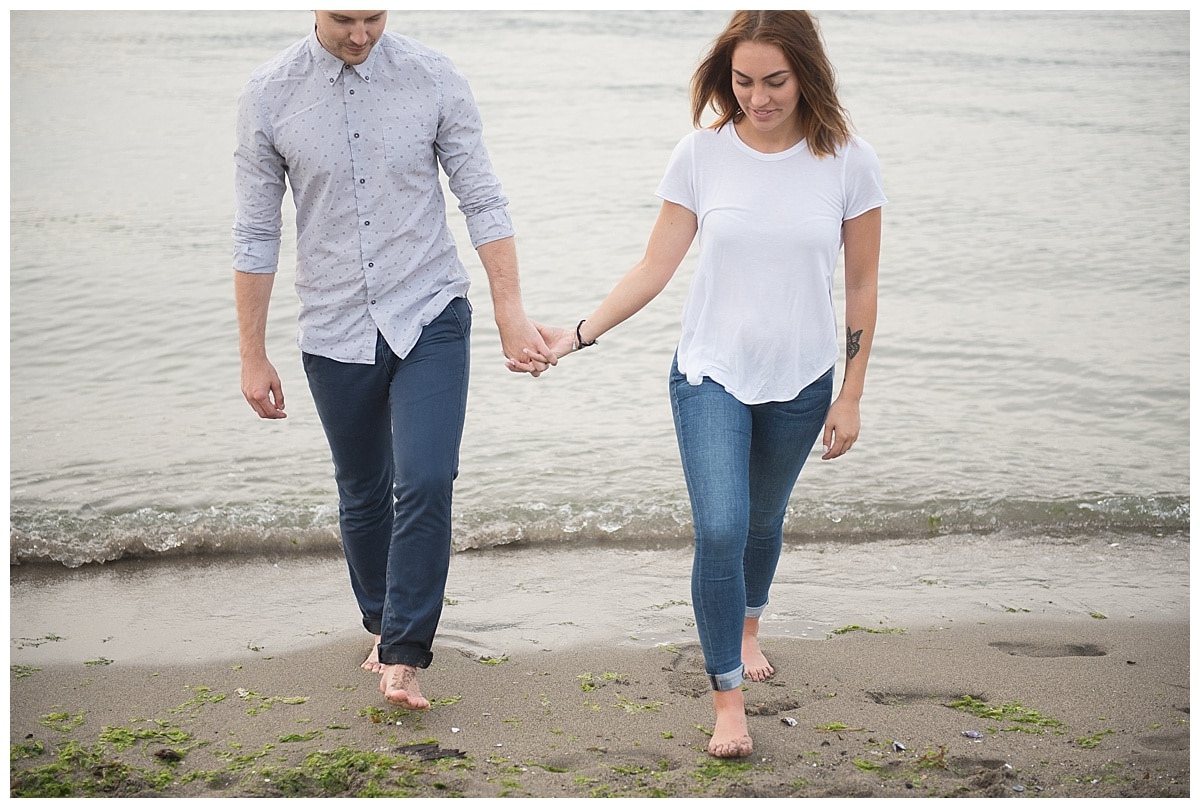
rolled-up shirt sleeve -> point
(465, 160)
(259, 182)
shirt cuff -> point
(256, 257)
(489, 225)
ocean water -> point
(1030, 376)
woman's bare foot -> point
(731, 736)
(371, 663)
(757, 667)
(399, 687)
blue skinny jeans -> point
(394, 430)
(741, 463)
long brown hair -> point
(825, 123)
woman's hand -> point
(841, 428)
(560, 341)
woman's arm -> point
(861, 238)
(669, 242)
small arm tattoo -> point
(852, 343)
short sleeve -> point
(678, 183)
(863, 178)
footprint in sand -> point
(1166, 742)
(1053, 650)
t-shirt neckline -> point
(768, 156)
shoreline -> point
(195, 610)
(576, 672)
(1081, 707)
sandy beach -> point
(1019, 706)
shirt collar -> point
(330, 66)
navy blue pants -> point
(394, 430)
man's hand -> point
(524, 349)
(262, 388)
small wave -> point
(74, 539)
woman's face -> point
(765, 86)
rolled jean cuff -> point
(373, 625)
(728, 681)
(755, 611)
(404, 655)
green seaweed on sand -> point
(588, 682)
(34, 642)
(1012, 712)
(864, 629)
(340, 772)
(634, 707)
(86, 771)
(722, 769)
(204, 695)
(1092, 741)
(62, 721)
(260, 703)
(122, 738)
(933, 760)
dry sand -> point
(1078, 708)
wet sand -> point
(1066, 709)
(578, 675)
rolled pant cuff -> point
(728, 681)
(404, 655)
(755, 611)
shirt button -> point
(370, 263)
(356, 134)
(367, 224)
(351, 92)
(362, 182)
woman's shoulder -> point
(857, 146)
(701, 141)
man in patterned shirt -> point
(358, 119)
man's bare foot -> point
(731, 736)
(399, 687)
(755, 661)
(371, 663)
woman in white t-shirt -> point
(775, 189)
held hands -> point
(558, 342)
(525, 349)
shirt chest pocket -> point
(408, 146)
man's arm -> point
(519, 338)
(468, 168)
(260, 383)
(259, 182)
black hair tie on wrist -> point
(579, 343)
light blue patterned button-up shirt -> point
(360, 146)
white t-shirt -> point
(759, 318)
